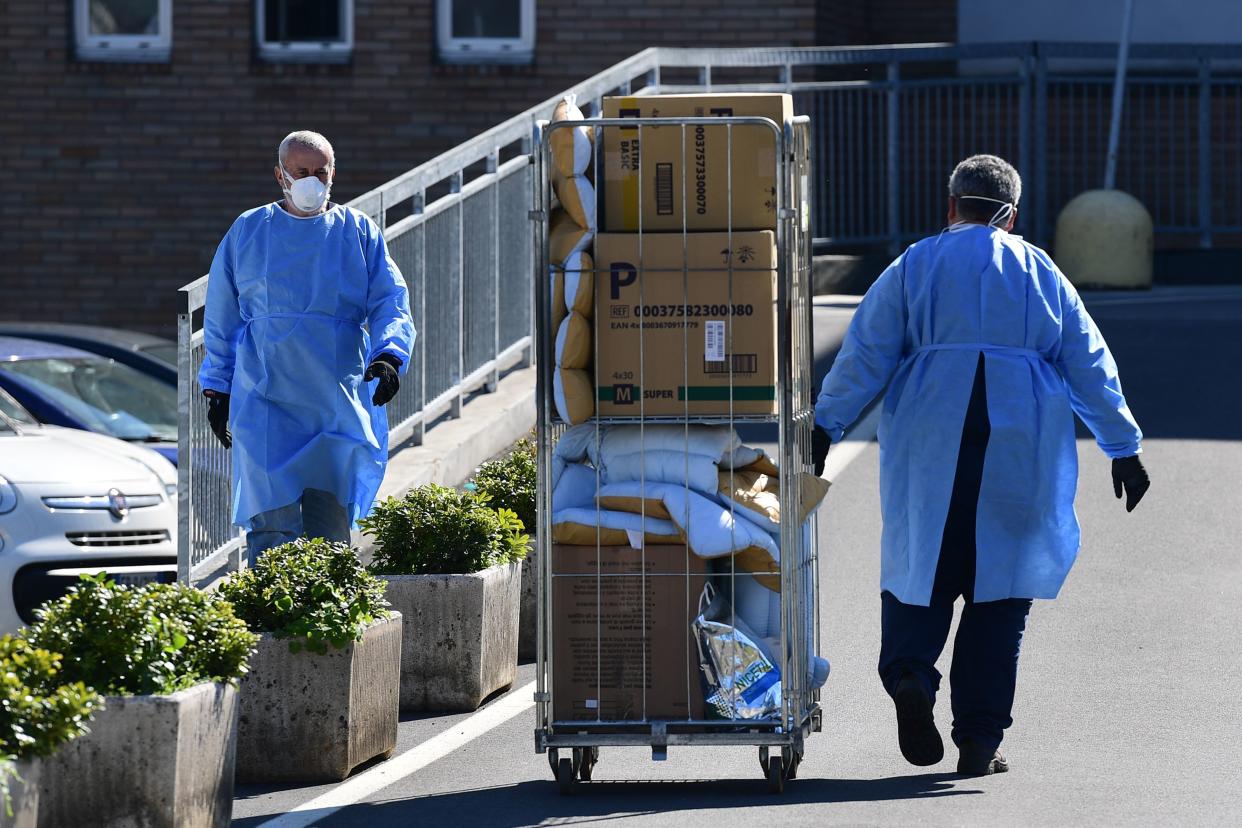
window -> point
(305, 30)
(126, 30)
(486, 31)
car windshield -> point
(107, 395)
(164, 352)
(10, 408)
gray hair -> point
(309, 140)
(987, 177)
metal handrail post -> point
(460, 295)
(894, 158)
(1040, 126)
(420, 428)
(1025, 71)
(1205, 153)
(493, 164)
(185, 461)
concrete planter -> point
(23, 796)
(150, 761)
(314, 718)
(461, 638)
(528, 620)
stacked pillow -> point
(571, 230)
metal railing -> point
(887, 125)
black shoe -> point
(916, 727)
(975, 761)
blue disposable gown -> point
(919, 331)
(296, 310)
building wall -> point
(887, 21)
(1155, 21)
(121, 178)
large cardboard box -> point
(608, 631)
(670, 339)
(693, 172)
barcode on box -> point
(742, 364)
(664, 189)
(714, 341)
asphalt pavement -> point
(1129, 703)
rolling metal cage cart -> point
(573, 742)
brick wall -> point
(887, 21)
(121, 178)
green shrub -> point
(155, 639)
(437, 530)
(38, 710)
(510, 482)
(313, 591)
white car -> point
(75, 502)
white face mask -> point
(308, 194)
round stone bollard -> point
(1105, 240)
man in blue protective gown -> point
(987, 353)
(305, 309)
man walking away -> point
(987, 353)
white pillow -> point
(571, 146)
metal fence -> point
(887, 125)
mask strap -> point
(1002, 214)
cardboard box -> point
(675, 298)
(600, 642)
(702, 182)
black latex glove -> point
(218, 416)
(1129, 474)
(384, 369)
(820, 443)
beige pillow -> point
(571, 146)
(579, 534)
(577, 197)
(559, 311)
(760, 492)
(573, 394)
(579, 292)
(573, 342)
(650, 507)
(565, 237)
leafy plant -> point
(38, 710)
(437, 530)
(510, 482)
(313, 591)
(154, 639)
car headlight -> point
(170, 489)
(8, 497)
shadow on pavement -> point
(533, 803)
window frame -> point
(468, 50)
(123, 48)
(323, 51)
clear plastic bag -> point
(743, 679)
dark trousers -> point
(989, 636)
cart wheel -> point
(553, 760)
(565, 776)
(763, 761)
(590, 756)
(776, 775)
